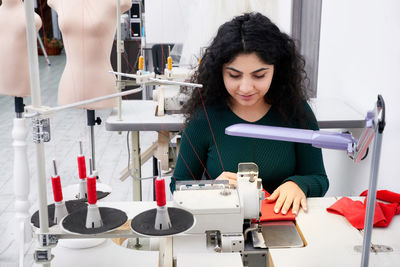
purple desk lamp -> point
(356, 149)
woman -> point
(252, 73)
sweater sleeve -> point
(193, 150)
(310, 171)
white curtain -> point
(205, 17)
(194, 23)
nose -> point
(246, 85)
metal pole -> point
(91, 122)
(36, 102)
(80, 103)
(92, 146)
(119, 52)
(371, 199)
(44, 51)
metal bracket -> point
(43, 256)
(125, 83)
(213, 238)
(232, 242)
(41, 130)
(47, 240)
(248, 170)
(201, 184)
(121, 46)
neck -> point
(251, 113)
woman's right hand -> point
(230, 176)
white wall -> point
(194, 23)
(359, 59)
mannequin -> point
(14, 68)
(88, 28)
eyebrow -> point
(258, 70)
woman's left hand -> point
(288, 195)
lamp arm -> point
(321, 139)
(356, 149)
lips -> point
(246, 97)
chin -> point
(247, 103)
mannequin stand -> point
(21, 178)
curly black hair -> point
(252, 33)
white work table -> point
(330, 242)
(139, 115)
(331, 239)
(335, 113)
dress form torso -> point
(14, 67)
(88, 28)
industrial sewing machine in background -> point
(169, 99)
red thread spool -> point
(91, 190)
(160, 192)
(57, 192)
(82, 167)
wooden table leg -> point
(136, 167)
(162, 152)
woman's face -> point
(247, 79)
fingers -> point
(227, 176)
(274, 195)
(230, 176)
(278, 205)
(287, 204)
(304, 204)
(296, 206)
(284, 203)
(287, 196)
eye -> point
(234, 76)
(259, 76)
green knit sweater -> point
(277, 161)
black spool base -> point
(72, 206)
(76, 222)
(181, 220)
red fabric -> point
(354, 211)
(269, 215)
